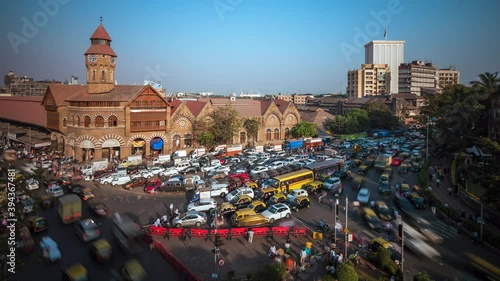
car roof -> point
(207, 200)
(279, 205)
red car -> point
(152, 186)
(396, 161)
(244, 177)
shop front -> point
(156, 146)
(138, 147)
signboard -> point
(278, 147)
(221, 262)
(155, 84)
(259, 148)
(42, 144)
(11, 136)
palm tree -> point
(488, 83)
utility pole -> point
(427, 140)
(482, 218)
(335, 221)
(346, 229)
(402, 248)
(29, 144)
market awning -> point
(157, 143)
(138, 143)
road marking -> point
(445, 230)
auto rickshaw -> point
(101, 250)
(26, 243)
(37, 224)
(46, 201)
(75, 272)
(314, 187)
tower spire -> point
(100, 20)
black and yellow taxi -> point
(37, 224)
(133, 271)
(225, 208)
(101, 250)
(86, 194)
(371, 219)
(388, 171)
(249, 220)
(383, 211)
(76, 272)
(384, 177)
(265, 193)
(323, 177)
(405, 189)
(314, 187)
(253, 185)
(254, 208)
(362, 169)
(378, 243)
(417, 201)
(357, 162)
(357, 183)
(241, 201)
(298, 203)
(276, 199)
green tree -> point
(252, 127)
(380, 116)
(305, 129)
(226, 123)
(422, 276)
(355, 121)
(272, 272)
(362, 118)
(488, 92)
(346, 272)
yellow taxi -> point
(252, 185)
(357, 183)
(314, 187)
(133, 271)
(101, 250)
(277, 198)
(388, 171)
(76, 272)
(250, 220)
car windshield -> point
(330, 181)
(272, 210)
(273, 183)
(234, 192)
(363, 192)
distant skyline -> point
(224, 46)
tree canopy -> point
(226, 123)
(381, 116)
(252, 127)
(355, 121)
(305, 129)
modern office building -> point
(448, 76)
(388, 52)
(370, 80)
(415, 76)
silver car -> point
(87, 230)
(192, 218)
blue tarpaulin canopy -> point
(157, 143)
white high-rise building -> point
(388, 52)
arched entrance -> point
(176, 142)
(88, 150)
(156, 146)
(243, 137)
(138, 146)
(111, 149)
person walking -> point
(250, 236)
(288, 250)
(474, 237)
(303, 255)
(437, 182)
(330, 202)
(450, 190)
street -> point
(145, 208)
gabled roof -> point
(317, 116)
(175, 104)
(61, 92)
(282, 105)
(119, 93)
(100, 33)
(195, 107)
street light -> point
(427, 138)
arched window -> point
(99, 121)
(277, 134)
(65, 123)
(103, 76)
(86, 121)
(287, 133)
(188, 140)
(112, 121)
(243, 137)
(93, 75)
(78, 121)
(268, 135)
(177, 142)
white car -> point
(156, 170)
(276, 212)
(289, 161)
(46, 164)
(240, 191)
(169, 172)
(296, 193)
(143, 174)
(106, 179)
(219, 190)
(332, 183)
(275, 165)
(204, 205)
(309, 161)
(221, 169)
(364, 195)
(259, 169)
(32, 184)
(55, 191)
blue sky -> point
(269, 46)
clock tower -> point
(100, 61)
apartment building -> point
(415, 76)
(370, 80)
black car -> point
(298, 203)
(191, 169)
(403, 204)
(75, 188)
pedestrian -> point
(474, 237)
(250, 236)
(176, 212)
(430, 177)
(157, 223)
(331, 204)
(437, 182)
(303, 255)
(171, 209)
(450, 190)
(288, 250)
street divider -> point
(297, 231)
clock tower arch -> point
(100, 61)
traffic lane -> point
(75, 251)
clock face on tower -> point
(92, 58)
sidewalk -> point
(443, 195)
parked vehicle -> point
(276, 212)
(87, 230)
(70, 208)
(193, 218)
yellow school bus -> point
(293, 180)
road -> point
(145, 208)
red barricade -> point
(280, 230)
(221, 232)
(157, 230)
(260, 231)
(199, 233)
(239, 232)
(176, 232)
(299, 231)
